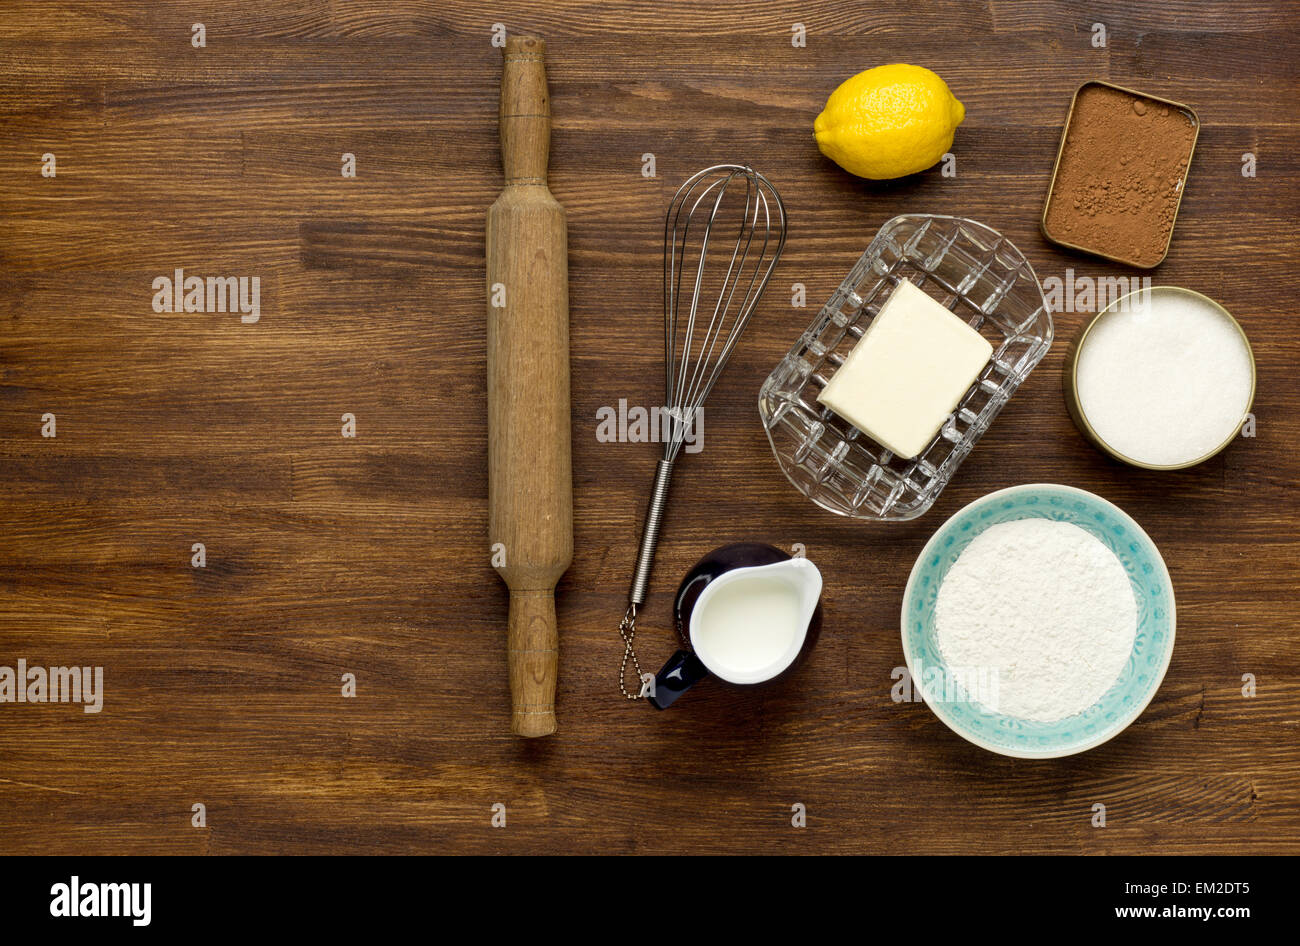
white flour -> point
(1047, 606)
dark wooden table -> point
(328, 555)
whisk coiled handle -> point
(650, 534)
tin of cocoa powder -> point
(1119, 175)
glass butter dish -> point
(971, 270)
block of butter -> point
(907, 373)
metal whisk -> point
(748, 241)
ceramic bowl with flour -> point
(1038, 621)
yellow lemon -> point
(888, 121)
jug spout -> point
(807, 579)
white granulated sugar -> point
(1048, 607)
(1164, 381)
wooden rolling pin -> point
(530, 482)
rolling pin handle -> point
(531, 652)
(525, 111)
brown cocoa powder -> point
(1120, 175)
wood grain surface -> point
(328, 555)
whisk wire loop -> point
(694, 359)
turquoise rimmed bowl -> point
(1152, 646)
